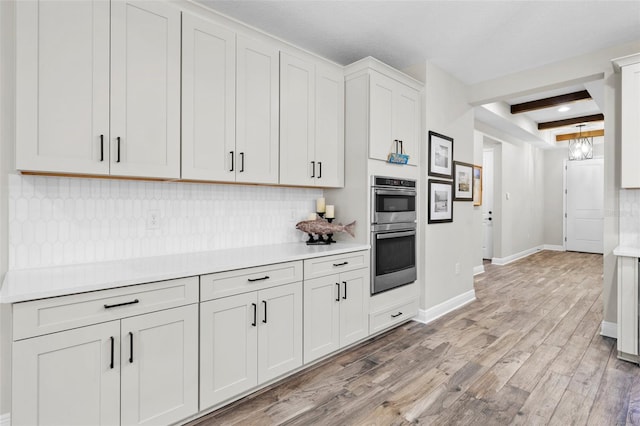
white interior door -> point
(487, 204)
(584, 209)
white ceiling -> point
(473, 40)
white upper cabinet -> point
(297, 121)
(145, 89)
(630, 121)
(311, 123)
(98, 88)
(208, 100)
(394, 118)
(329, 133)
(257, 112)
(62, 83)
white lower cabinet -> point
(68, 378)
(131, 366)
(248, 339)
(141, 370)
(159, 380)
(336, 311)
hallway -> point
(527, 351)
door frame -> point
(564, 205)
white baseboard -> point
(428, 315)
(478, 269)
(609, 329)
(505, 260)
(5, 419)
(553, 247)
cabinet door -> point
(62, 77)
(208, 100)
(381, 136)
(630, 128)
(160, 366)
(68, 378)
(354, 306)
(329, 127)
(297, 127)
(257, 106)
(321, 316)
(280, 336)
(228, 348)
(145, 89)
(407, 121)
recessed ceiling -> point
(576, 109)
(472, 40)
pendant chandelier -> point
(581, 148)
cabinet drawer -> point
(61, 313)
(322, 266)
(378, 321)
(224, 284)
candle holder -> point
(330, 239)
(321, 214)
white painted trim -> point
(609, 329)
(553, 247)
(435, 312)
(478, 270)
(564, 204)
(5, 419)
(505, 260)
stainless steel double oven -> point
(393, 233)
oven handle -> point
(387, 235)
(395, 192)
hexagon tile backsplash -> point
(60, 221)
(629, 218)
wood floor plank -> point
(542, 401)
(615, 395)
(527, 351)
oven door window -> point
(395, 253)
(395, 203)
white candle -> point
(312, 216)
(331, 213)
(320, 206)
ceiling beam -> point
(569, 121)
(550, 102)
(589, 134)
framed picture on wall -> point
(440, 201)
(463, 181)
(440, 155)
(477, 185)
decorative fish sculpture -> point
(323, 227)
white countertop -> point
(29, 284)
(627, 251)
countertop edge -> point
(627, 251)
(82, 278)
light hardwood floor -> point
(527, 351)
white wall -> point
(447, 244)
(477, 210)
(7, 132)
(590, 67)
(522, 213)
(553, 196)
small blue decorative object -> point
(397, 158)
